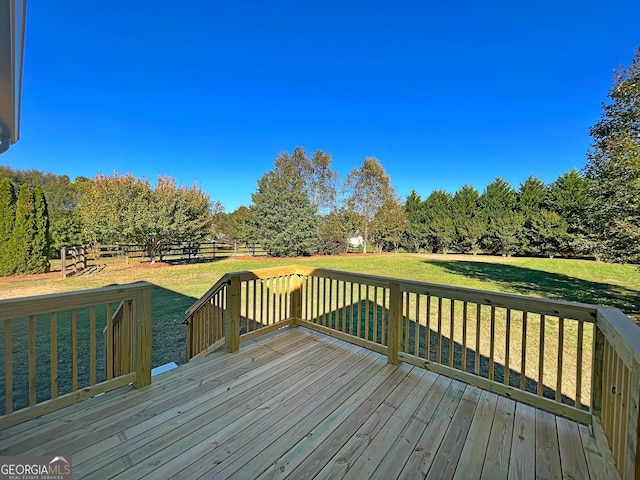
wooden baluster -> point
(416, 333)
(523, 356)
(406, 321)
(375, 314)
(439, 337)
(359, 326)
(32, 360)
(109, 341)
(464, 336)
(329, 322)
(579, 364)
(492, 343)
(507, 347)
(74, 350)
(478, 324)
(452, 342)
(385, 314)
(53, 320)
(541, 357)
(427, 338)
(366, 312)
(8, 367)
(560, 359)
(344, 307)
(92, 345)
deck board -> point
(298, 404)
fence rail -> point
(577, 360)
(37, 331)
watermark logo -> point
(35, 468)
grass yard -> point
(178, 286)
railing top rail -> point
(223, 282)
(622, 333)
(55, 302)
(561, 308)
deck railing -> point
(51, 350)
(577, 360)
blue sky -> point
(442, 93)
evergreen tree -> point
(24, 230)
(283, 219)
(532, 197)
(614, 167)
(498, 207)
(469, 225)
(440, 226)
(335, 230)
(547, 233)
(414, 237)
(7, 221)
(569, 198)
(38, 262)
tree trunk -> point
(365, 240)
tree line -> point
(301, 206)
(594, 213)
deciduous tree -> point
(389, 224)
(367, 187)
(128, 209)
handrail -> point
(219, 285)
(65, 325)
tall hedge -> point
(28, 247)
(38, 261)
(7, 220)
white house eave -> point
(12, 27)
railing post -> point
(232, 316)
(142, 335)
(296, 298)
(596, 374)
(632, 468)
(189, 337)
(395, 323)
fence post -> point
(232, 316)
(395, 323)
(142, 336)
(63, 258)
(83, 258)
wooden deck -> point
(298, 404)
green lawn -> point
(178, 286)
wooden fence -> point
(37, 331)
(577, 360)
